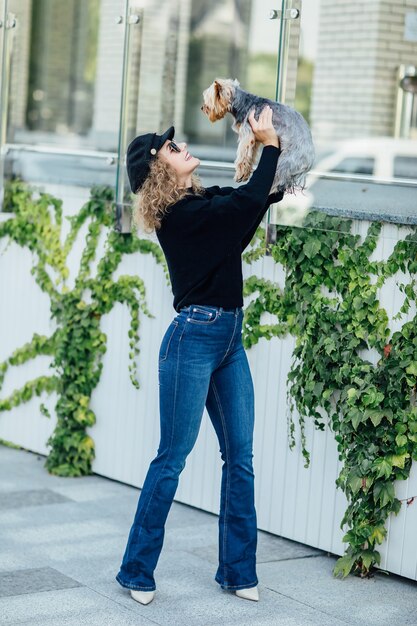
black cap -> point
(140, 153)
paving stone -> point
(62, 542)
(69, 607)
(29, 497)
(20, 581)
(379, 601)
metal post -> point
(9, 22)
(406, 94)
(123, 221)
(285, 15)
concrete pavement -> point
(62, 540)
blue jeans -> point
(202, 362)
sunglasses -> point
(173, 147)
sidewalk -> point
(62, 540)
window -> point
(405, 167)
(355, 165)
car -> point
(379, 158)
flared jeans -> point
(202, 363)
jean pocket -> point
(166, 340)
(202, 315)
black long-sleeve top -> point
(203, 237)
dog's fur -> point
(297, 150)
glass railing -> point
(79, 80)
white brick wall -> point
(155, 33)
(360, 48)
(108, 87)
(157, 87)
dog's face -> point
(218, 98)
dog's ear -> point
(217, 88)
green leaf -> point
(372, 397)
(398, 460)
(384, 493)
(311, 247)
(401, 440)
(355, 482)
(374, 415)
(412, 426)
(356, 417)
(344, 566)
(377, 535)
(383, 467)
(412, 368)
(388, 414)
(351, 393)
(396, 506)
(369, 557)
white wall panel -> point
(291, 501)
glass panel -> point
(2, 30)
(232, 39)
(62, 74)
(356, 85)
(185, 46)
(64, 90)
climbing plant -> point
(78, 344)
(329, 303)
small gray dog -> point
(297, 150)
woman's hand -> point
(263, 128)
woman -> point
(202, 362)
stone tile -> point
(181, 514)
(113, 509)
(199, 540)
(95, 488)
(188, 594)
(202, 541)
(273, 548)
(12, 558)
(72, 532)
(69, 607)
(29, 497)
(379, 601)
(21, 581)
(83, 537)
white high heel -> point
(250, 593)
(144, 597)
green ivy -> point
(329, 303)
(78, 344)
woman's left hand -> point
(263, 128)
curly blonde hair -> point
(158, 192)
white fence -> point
(291, 501)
